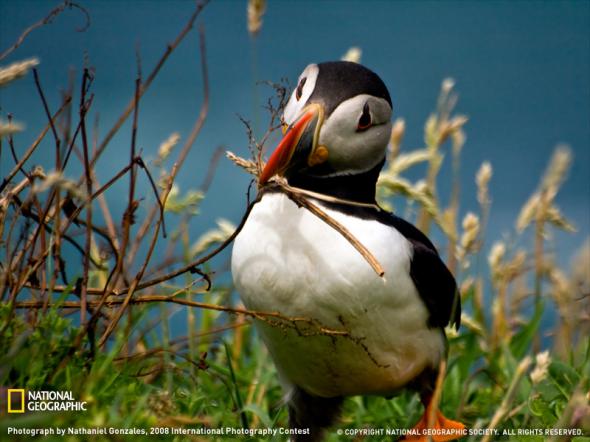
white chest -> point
(287, 260)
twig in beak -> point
(300, 197)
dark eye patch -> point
(299, 90)
(365, 119)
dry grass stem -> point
(506, 404)
(16, 70)
(353, 54)
(256, 10)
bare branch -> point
(181, 158)
(302, 325)
(145, 86)
(88, 175)
(45, 21)
(32, 148)
(212, 168)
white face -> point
(356, 133)
(301, 93)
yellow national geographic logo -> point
(16, 400)
(21, 400)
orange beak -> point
(302, 135)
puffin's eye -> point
(365, 119)
(299, 90)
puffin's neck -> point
(359, 187)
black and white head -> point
(337, 121)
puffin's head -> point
(337, 122)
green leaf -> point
(564, 376)
(258, 411)
(521, 342)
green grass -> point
(142, 392)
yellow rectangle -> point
(22, 403)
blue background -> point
(521, 69)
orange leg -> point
(442, 430)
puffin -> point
(337, 126)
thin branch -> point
(142, 231)
(31, 245)
(88, 174)
(204, 107)
(13, 192)
(127, 221)
(302, 325)
(106, 213)
(47, 20)
(212, 168)
(27, 213)
(145, 86)
(188, 268)
(181, 158)
(32, 148)
(269, 317)
(65, 123)
(73, 218)
(181, 342)
(45, 106)
(134, 284)
(193, 265)
(159, 203)
(13, 150)
(58, 168)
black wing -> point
(434, 281)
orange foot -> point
(443, 429)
